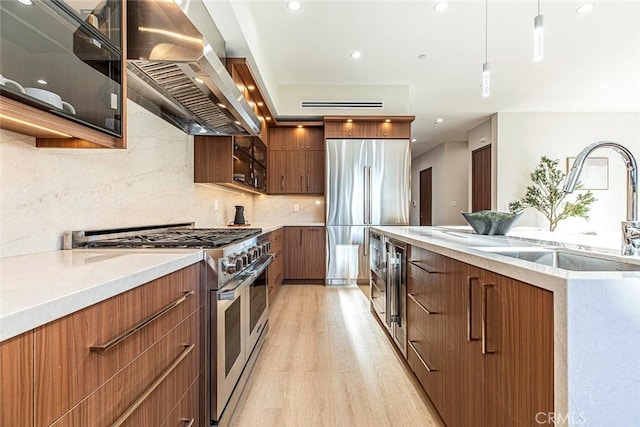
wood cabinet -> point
(371, 127)
(79, 53)
(481, 344)
(133, 357)
(275, 274)
(16, 381)
(304, 253)
(291, 138)
(238, 162)
(296, 161)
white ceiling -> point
(313, 47)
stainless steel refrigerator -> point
(368, 183)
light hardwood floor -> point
(326, 362)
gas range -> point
(229, 251)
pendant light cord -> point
(486, 29)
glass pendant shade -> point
(486, 79)
(538, 38)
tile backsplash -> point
(45, 192)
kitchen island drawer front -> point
(186, 413)
(428, 367)
(148, 387)
(430, 326)
(67, 370)
(425, 259)
(426, 289)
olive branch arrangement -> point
(547, 196)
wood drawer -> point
(425, 362)
(426, 259)
(430, 326)
(16, 381)
(426, 288)
(66, 370)
(186, 410)
(175, 355)
(277, 238)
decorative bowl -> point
(491, 222)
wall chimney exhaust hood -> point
(175, 59)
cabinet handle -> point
(420, 264)
(415, 350)
(117, 340)
(190, 421)
(485, 326)
(308, 180)
(470, 280)
(300, 236)
(301, 182)
(154, 385)
(425, 309)
(282, 182)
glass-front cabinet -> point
(232, 161)
(65, 59)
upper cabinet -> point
(63, 79)
(369, 127)
(237, 162)
(288, 138)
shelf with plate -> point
(66, 72)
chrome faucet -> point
(630, 227)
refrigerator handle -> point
(369, 195)
(365, 191)
(366, 242)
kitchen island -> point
(596, 323)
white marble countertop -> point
(41, 287)
(458, 243)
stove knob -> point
(230, 265)
(245, 259)
(267, 247)
(256, 253)
(240, 263)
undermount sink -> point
(565, 258)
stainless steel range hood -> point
(175, 59)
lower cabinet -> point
(133, 360)
(304, 253)
(481, 344)
(16, 381)
(275, 273)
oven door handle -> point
(233, 293)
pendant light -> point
(538, 36)
(486, 69)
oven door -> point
(231, 332)
(258, 301)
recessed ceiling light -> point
(349, 120)
(221, 105)
(585, 7)
(42, 82)
(251, 87)
(198, 79)
(413, 140)
(299, 126)
(268, 119)
(294, 5)
(237, 122)
(387, 120)
(260, 104)
(26, 2)
(441, 6)
(356, 54)
(422, 56)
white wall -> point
(449, 179)
(522, 138)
